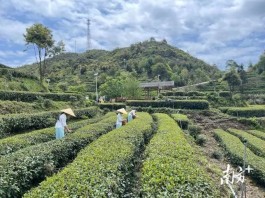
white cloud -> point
(45, 8)
(12, 31)
(213, 30)
(16, 58)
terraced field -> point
(148, 157)
(235, 147)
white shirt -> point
(61, 122)
(132, 113)
(119, 118)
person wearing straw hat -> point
(119, 117)
(61, 126)
(131, 115)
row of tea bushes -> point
(183, 93)
(251, 111)
(255, 144)
(33, 96)
(25, 168)
(177, 104)
(12, 107)
(253, 122)
(112, 106)
(171, 168)
(102, 168)
(16, 142)
(11, 72)
(259, 134)
(181, 119)
(254, 98)
(156, 110)
(17, 123)
(235, 150)
(186, 97)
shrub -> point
(89, 103)
(178, 104)
(183, 93)
(101, 169)
(217, 155)
(73, 98)
(181, 119)
(252, 111)
(17, 123)
(170, 168)
(25, 168)
(47, 103)
(63, 86)
(33, 96)
(255, 144)
(112, 106)
(256, 123)
(259, 134)
(16, 142)
(201, 140)
(235, 150)
(224, 94)
(194, 130)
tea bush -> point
(235, 149)
(170, 166)
(27, 167)
(101, 169)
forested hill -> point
(3, 66)
(145, 61)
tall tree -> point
(112, 88)
(260, 66)
(231, 64)
(41, 38)
(161, 69)
(243, 76)
(184, 76)
(132, 88)
(233, 79)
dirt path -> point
(209, 121)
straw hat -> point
(69, 111)
(122, 110)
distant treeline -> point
(13, 73)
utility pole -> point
(158, 85)
(96, 75)
(88, 35)
(243, 185)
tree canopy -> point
(121, 87)
(41, 38)
(233, 79)
(260, 66)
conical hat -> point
(69, 111)
(122, 110)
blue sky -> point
(214, 31)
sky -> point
(214, 31)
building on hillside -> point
(158, 86)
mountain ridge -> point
(144, 60)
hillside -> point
(11, 79)
(145, 61)
(3, 66)
(255, 84)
